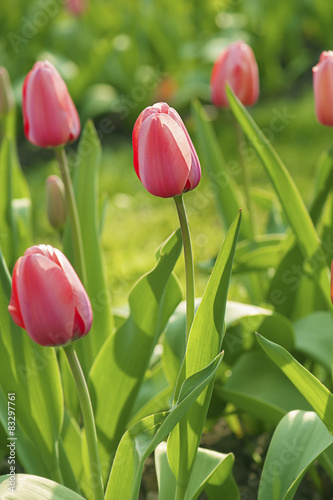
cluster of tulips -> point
(48, 298)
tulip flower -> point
(55, 201)
(164, 156)
(238, 67)
(48, 299)
(49, 115)
(323, 88)
(76, 7)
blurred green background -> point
(120, 57)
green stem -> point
(189, 270)
(88, 421)
(73, 214)
(180, 491)
(246, 175)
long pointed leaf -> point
(86, 164)
(290, 199)
(299, 439)
(120, 366)
(312, 389)
(143, 437)
(227, 195)
(205, 341)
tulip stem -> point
(189, 270)
(88, 421)
(73, 214)
(246, 175)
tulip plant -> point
(88, 393)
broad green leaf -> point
(70, 451)
(153, 385)
(299, 439)
(210, 469)
(32, 373)
(142, 438)
(125, 356)
(308, 385)
(290, 273)
(257, 386)
(86, 164)
(204, 343)
(26, 449)
(270, 324)
(15, 205)
(313, 335)
(227, 195)
(290, 199)
(32, 487)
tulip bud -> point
(7, 100)
(55, 201)
(49, 115)
(76, 7)
(323, 88)
(238, 67)
(48, 299)
(164, 156)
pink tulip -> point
(237, 66)
(49, 115)
(48, 299)
(164, 156)
(323, 88)
(76, 7)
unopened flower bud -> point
(56, 201)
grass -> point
(136, 223)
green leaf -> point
(270, 324)
(125, 356)
(210, 469)
(290, 199)
(32, 487)
(29, 454)
(86, 164)
(15, 205)
(312, 389)
(142, 438)
(257, 386)
(299, 439)
(314, 337)
(204, 343)
(227, 195)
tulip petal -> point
(46, 300)
(81, 300)
(323, 89)
(164, 156)
(83, 311)
(14, 307)
(50, 117)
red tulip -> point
(323, 88)
(164, 156)
(49, 115)
(48, 299)
(237, 66)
